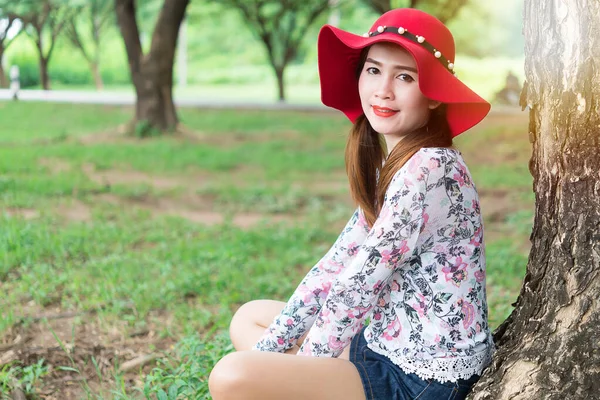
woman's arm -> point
(388, 247)
(305, 303)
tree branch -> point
(73, 34)
(167, 25)
(125, 10)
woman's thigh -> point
(262, 375)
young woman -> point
(411, 258)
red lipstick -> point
(384, 111)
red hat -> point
(422, 35)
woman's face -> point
(389, 92)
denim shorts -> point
(384, 380)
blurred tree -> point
(152, 73)
(44, 20)
(548, 348)
(281, 26)
(85, 31)
(444, 10)
(9, 25)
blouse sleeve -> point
(305, 303)
(387, 248)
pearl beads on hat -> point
(414, 38)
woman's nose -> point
(385, 89)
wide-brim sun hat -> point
(426, 38)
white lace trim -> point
(448, 369)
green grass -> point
(131, 264)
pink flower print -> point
(385, 256)
(290, 322)
(469, 313)
(477, 237)
(334, 267)
(377, 316)
(335, 344)
(393, 258)
(323, 318)
(433, 164)
(403, 247)
(425, 218)
(307, 294)
(353, 248)
(420, 306)
(437, 338)
(459, 178)
(456, 273)
(395, 286)
(439, 248)
(280, 341)
(479, 276)
(361, 220)
(381, 302)
(415, 163)
(393, 330)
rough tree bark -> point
(152, 73)
(549, 347)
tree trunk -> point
(279, 71)
(549, 346)
(4, 83)
(44, 77)
(97, 76)
(152, 74)
(155, 107)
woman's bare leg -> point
(252, 319)
(261, 375)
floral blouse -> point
(418, 274)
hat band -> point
(416, 39)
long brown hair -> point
(366, 152)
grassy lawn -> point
(112, 248)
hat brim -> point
(339, 52)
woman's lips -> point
(384, 111)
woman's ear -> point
(434, 104)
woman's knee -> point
(242, 318)
(228, 377)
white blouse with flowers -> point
(418, 273)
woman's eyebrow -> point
(407, 68)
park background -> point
(123, 259)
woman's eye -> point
(372, 70)
(405, 77)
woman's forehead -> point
(386, 52)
